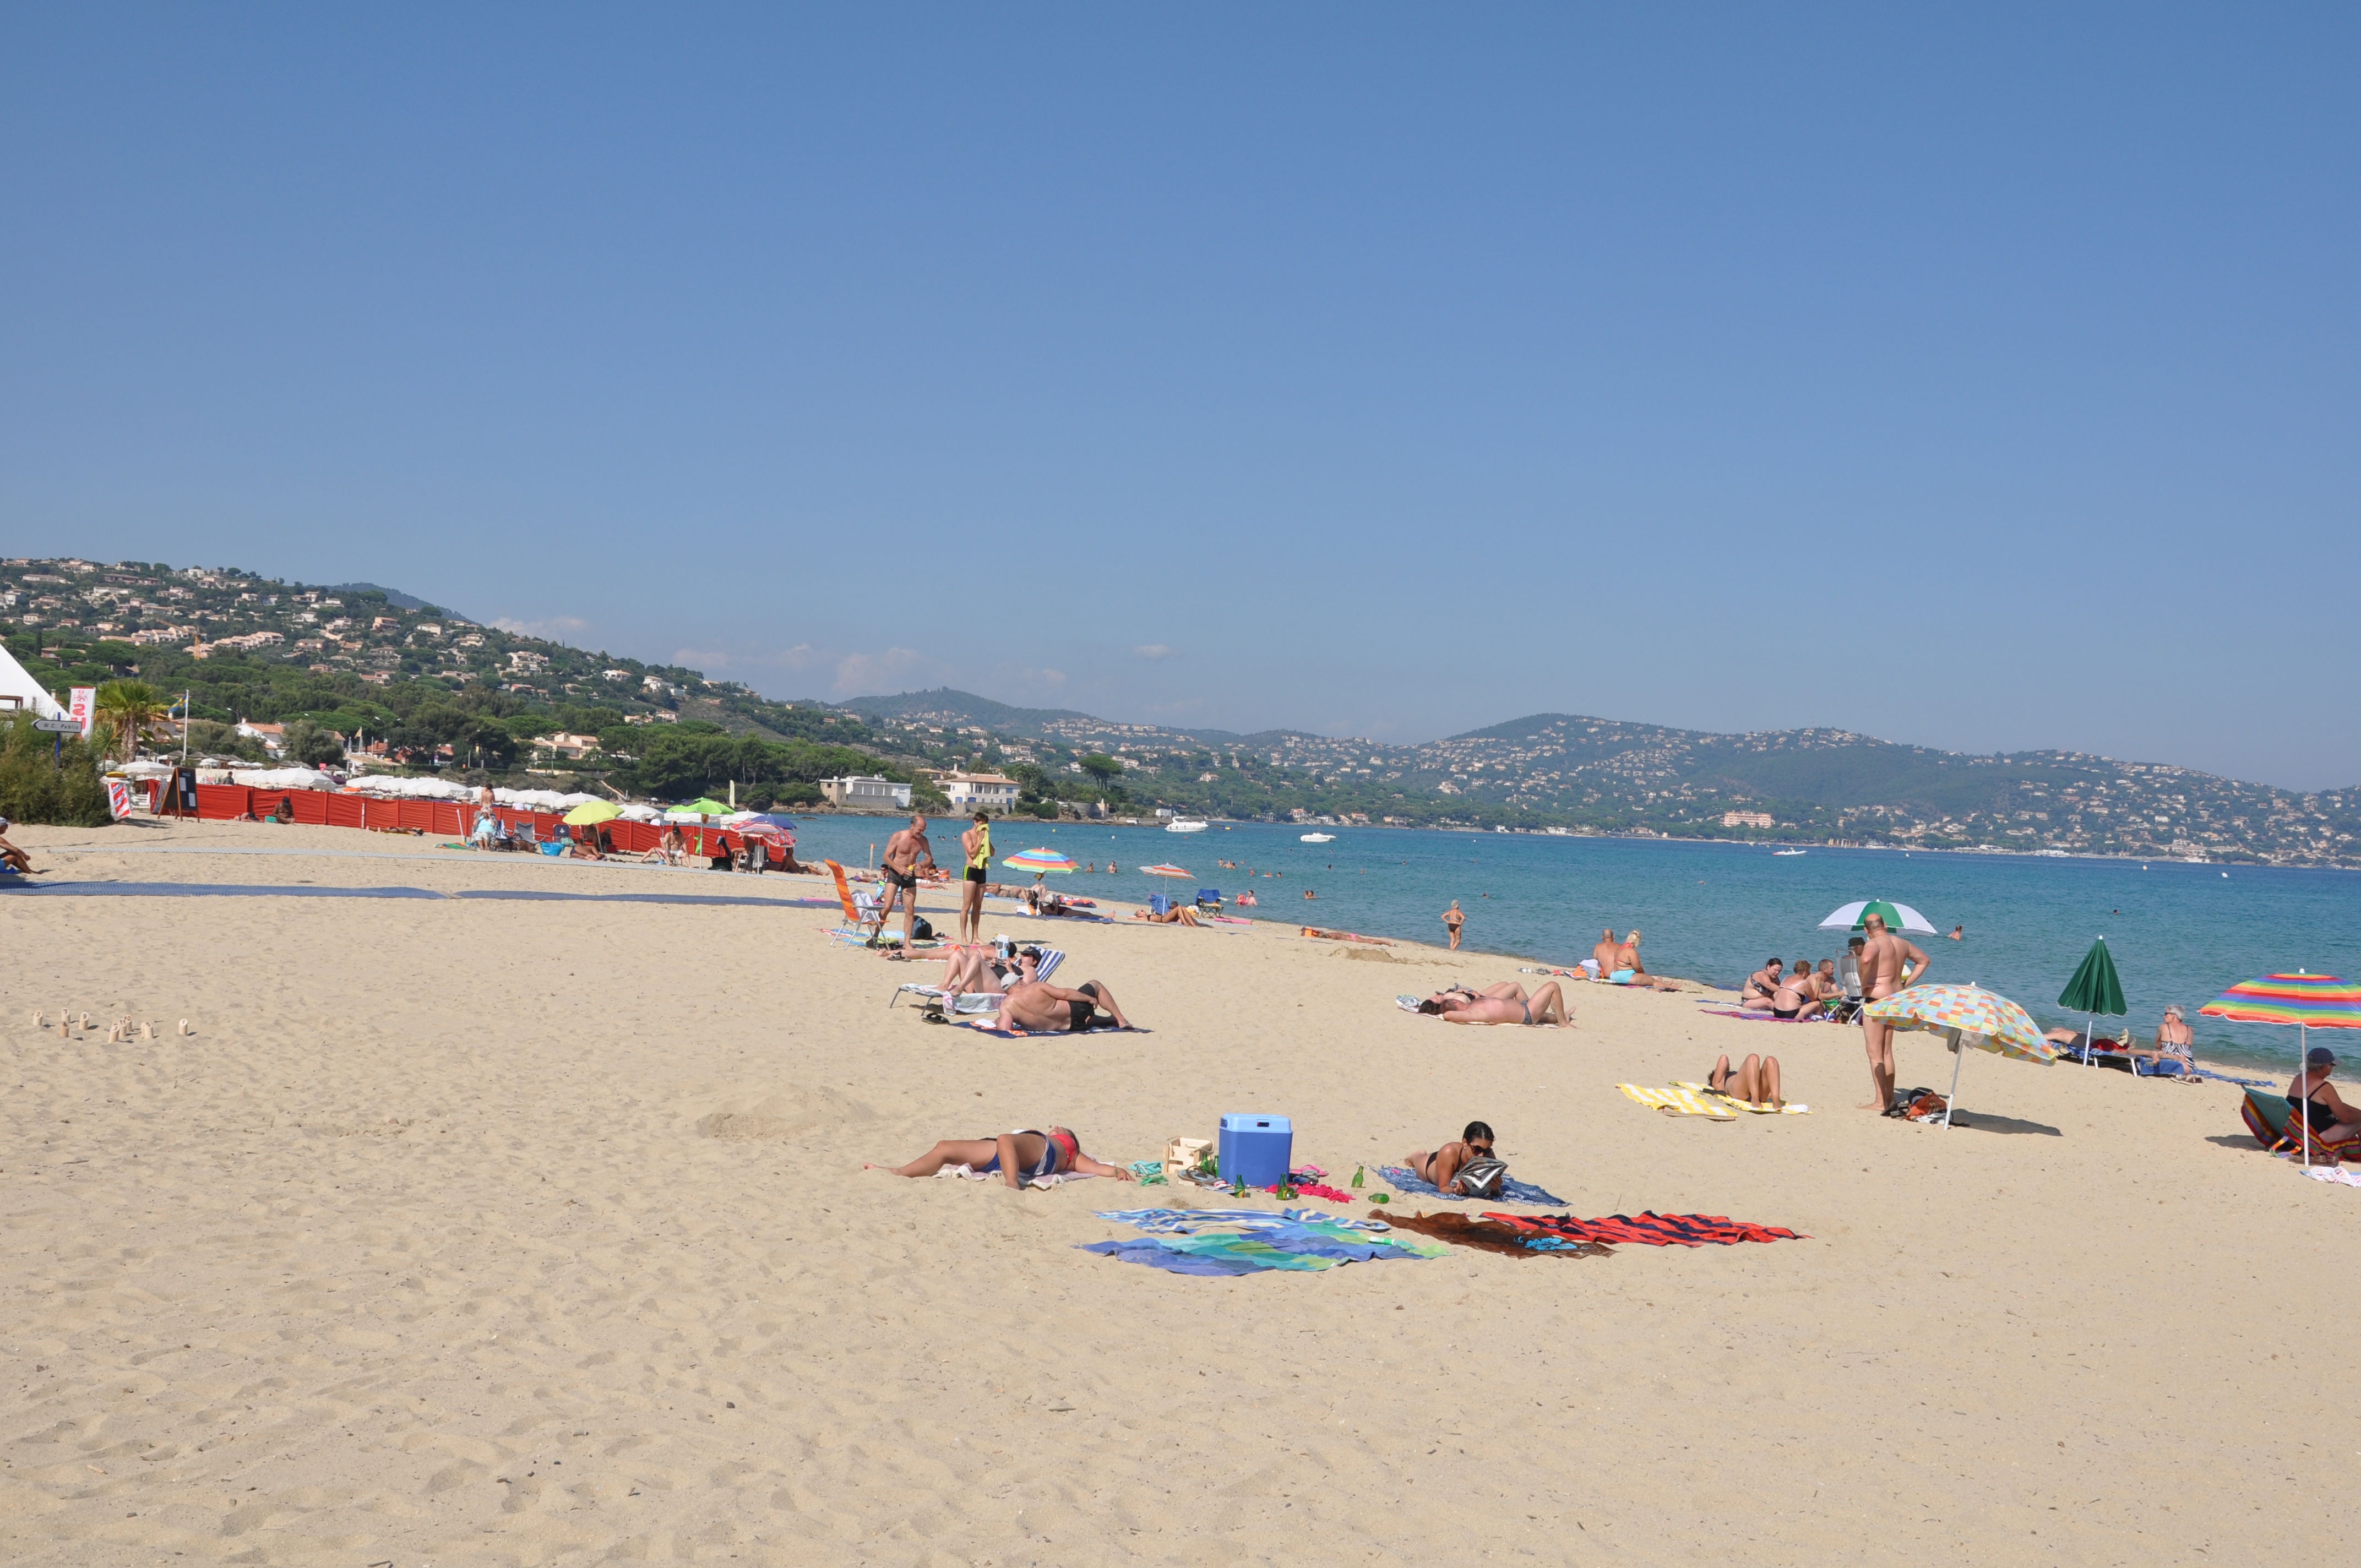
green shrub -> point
(64, 793)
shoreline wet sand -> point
(481, 1230)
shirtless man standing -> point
(1037, 1006)
(1882, 958)
(903, 853)
(976, 845)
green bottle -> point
(1356, 1176)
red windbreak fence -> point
(238, 803)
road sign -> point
(59, 726)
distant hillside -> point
(1616, 776)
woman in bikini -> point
(1545, 1005)
(1756, 1081)
(1796, 997)
(1016, 1158)
(1443, 1167)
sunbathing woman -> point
(1178, 915)
(973, 971)
(2330, 1119)
(1796, 996)
(1443, 1167)
(1546, 1005)
(1756, 1081)
(1017, 1158)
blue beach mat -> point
(1511, 1190)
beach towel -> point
(1761, 1110)
(1681, 1101)
(970, 1173)
(1461, 1231)
(2332, 1173)
(1212, 1243)
(1512, 1190)
(1746, 1016)
(1006, 1033)
(1646, 1229)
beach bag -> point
(1482, 1177)
(920, 930)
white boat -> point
(1782, 854)
(1315, 839)
(1184, 825)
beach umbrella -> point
(1965, 1015)
(1899, 917)
(706, 806)
(1167, 870)
(2307, 1000)
(2094, 990)
(1040, 862)
(591, 812)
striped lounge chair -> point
(2274, 1125)
(976, 1000)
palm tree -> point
(130, 707)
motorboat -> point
(1315, 839)
(1782, 854)
(1184, 825)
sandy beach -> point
(478, 1231)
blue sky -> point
(1986, 381)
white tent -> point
(282, 778)
(17, 684)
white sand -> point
(517, 1232)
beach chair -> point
(2273, 1122)
(1157, 904)
(1209, 898)
(860, 909)
(976, 1000)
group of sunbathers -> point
(1804, 994)
(1027, 1002)
(1618, 963)
(1465, 1167)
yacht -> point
(1782, 854)
(1315, 839)
(1184, 825)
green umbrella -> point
(2094, 990)
(706, 807)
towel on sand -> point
(1677, 1102)
(1215, 1242)
(1512, 1190)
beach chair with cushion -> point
(2273, 1122)
(1209, 898)
(976, 1000)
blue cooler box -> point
(1257, 1149)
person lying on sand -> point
(1178, 915)
(1546, 1005)
(1017, 1158)
(1756, 1081)
(1443, 1167)
(1039, 1007)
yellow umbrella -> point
(590, 812)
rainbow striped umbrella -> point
(1167, 870)
(1965, 1015)
(2307, 1000)
(1040, 862)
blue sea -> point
(1713, 911)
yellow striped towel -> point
(1678, 1102)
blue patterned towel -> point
(1511, 1190)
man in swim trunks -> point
(1016, 1158)
(975, 844)
(1039, 1007)
(904, 852)
(1443, 1167)
(1882, 958)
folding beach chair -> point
(976, 1000)
(1209, 898)
(2273, 1122)
(1157, 904)
(862, 909)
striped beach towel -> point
(1679, 1102)
(1729, 1099)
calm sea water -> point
(1713, 911)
